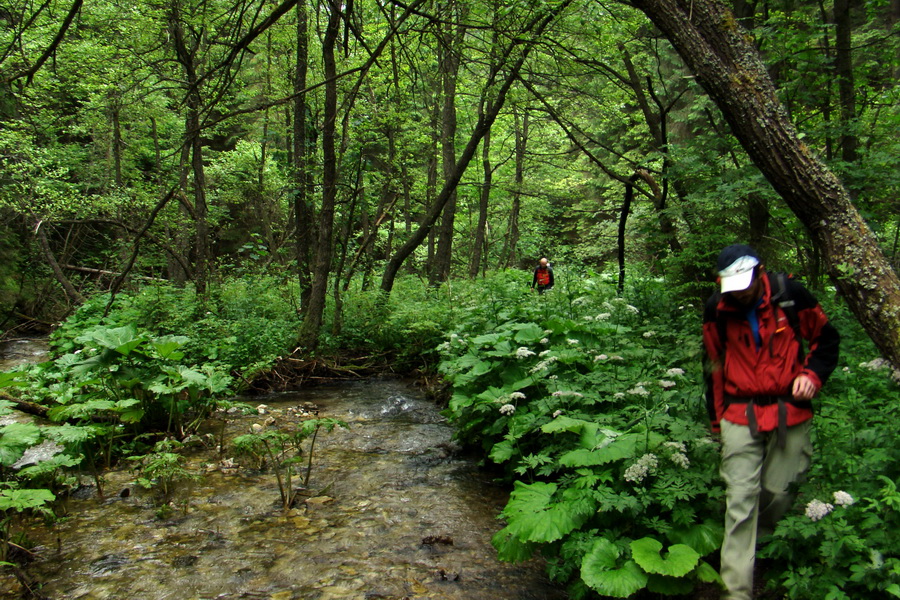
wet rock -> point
(108, 563)
(318, 501)
(181, 562)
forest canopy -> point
(190, 141)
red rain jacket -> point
(764, 372)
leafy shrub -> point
(843, 544)
(592, 406)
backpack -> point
(778, 282)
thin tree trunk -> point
(303, 217)
(312, 322)
(509, 256)
(72, 294)
(484, 198)
(843, 66)
(449, 68)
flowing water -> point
(391, 512)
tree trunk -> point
(725, 63)
(484, 198)
(312, 322)
(73, 295)
(303, 216)
(510, 253)
(449, 68)
(843, 66)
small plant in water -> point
(282, 450)
(162, 469)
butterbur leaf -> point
(10, 379)
(14, 439)
(510, 548)
(678, 562)
(20, 500)
(670, 586)
(534, 515)
(703, 537)
(502, 452)
(121, 339)
(167, 346)
(600, 570)
(564, 423)
(528, 333)
(71, 434)
(707, 574)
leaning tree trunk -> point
(720, 53)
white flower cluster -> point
(679, 454)
(817, 509)
(842, 498)
(638, 390)
(600, 357)
(557, 413)
(545, 341)
(674, 372)
(646, 465)
(507, 409)
(562, 393)
(523, 352)
(542, 366)
(603, 316)
(572, 342)
(517, 396)
(666, 384)
(649, 334)
(875, 365)
(543, 353)
(632, 309)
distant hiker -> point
(543, 276)
(760, 387)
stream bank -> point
(392, 512)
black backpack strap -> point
(781, 298)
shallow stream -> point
(391, 512)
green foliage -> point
(282, 450)
(850, 550)
(592, 405)
(163, 469)
(241, 324)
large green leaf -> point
(600, 570)
(670, 586)
(10, 379)
(14, 439)
(167, 346)
(121, 339)
(71, 434)
(678, 561)
(703, 537)
(20, 500)
(502, 451)
(534, 513)
(528, 333)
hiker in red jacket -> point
(543, 276)
(760, 386)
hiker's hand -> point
(804, 388)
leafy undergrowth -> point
(593, 407)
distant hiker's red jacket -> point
(743, 372)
